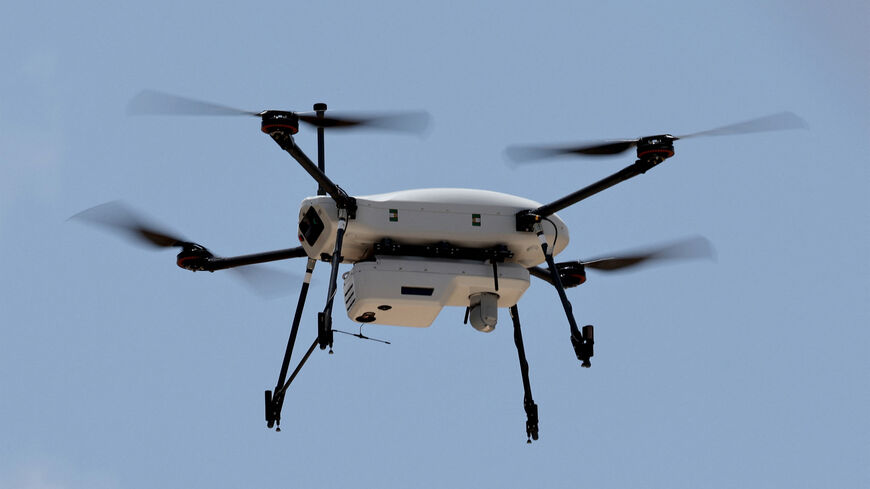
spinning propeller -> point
(118, 217)
(573, 273)
(692, 248)
(151, 102)
(655, 144)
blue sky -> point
(119, 370)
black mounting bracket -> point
(443, 249)
(583, 341)
(526, 221)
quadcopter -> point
(413, 252)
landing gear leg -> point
(324, 319)
(582, 346)
(274, 402)
(528, 403)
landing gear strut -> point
(582, 341)
(528, 403)
(324, 319)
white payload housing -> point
(411, 291)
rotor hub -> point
(654, 147)
(274, 121)
(572, 274)
(193, 257)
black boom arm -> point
(282, 133)
(527, 219)
(222, 263)
(197, 258)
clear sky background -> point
(119, 370)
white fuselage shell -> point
(463, 217)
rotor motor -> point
(192, 257)
(277, 121)
(572, 274)
(656, 147)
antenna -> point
(362, 336)
(320, 108)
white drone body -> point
(413, 252)
(412, 290)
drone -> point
(413, 252)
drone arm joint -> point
(541, 274)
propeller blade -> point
(152, 102)
(413, 122)
(523, 154)
(118, 217)
(267, 282)
(692, 248)
(781, 121)
(775, 122)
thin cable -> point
(555, 231)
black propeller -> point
(118, 217)
(573, 273)
(692, 248)
(151, 102)
(774, 122)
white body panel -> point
(411, 291)
(462, 217)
